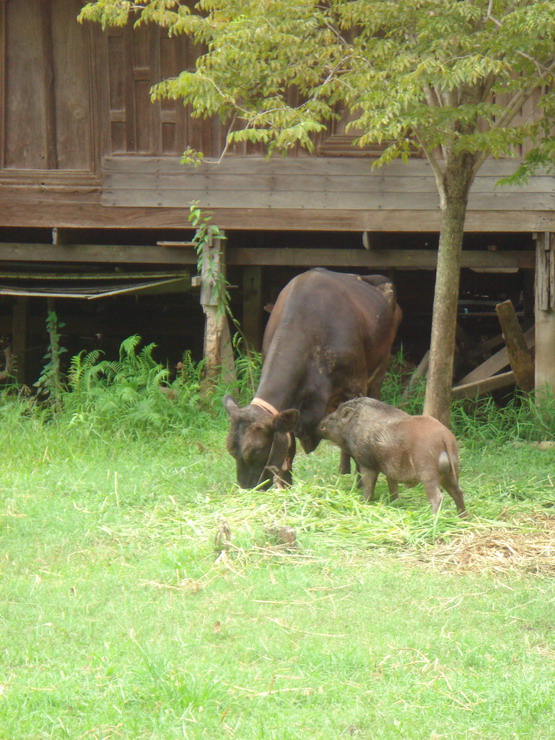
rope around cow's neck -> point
(264, 405)
(256, 401)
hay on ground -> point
(528, 545)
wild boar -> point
(406, 449)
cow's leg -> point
(344, 463)
(376, 379)
(433, 491)
(369, 477)
(393, 489)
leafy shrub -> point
(133, 394)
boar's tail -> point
(446, 464)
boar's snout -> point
(323, 428)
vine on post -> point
(214, 296)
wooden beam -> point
(96, 253)
(37, 209)
(418, 373)
(418, 259)
(252, 306)
(520, 358)
(218, 350)
(481, 387)
(496, 362)
(19, 337)
(545, 316)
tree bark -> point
(453, 192)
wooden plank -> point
(72, 77)
(335, 198)
(418, 373)
(287, 256)
(321, 166)
(252, 306)
(19, 337)
(520, 358)
(375, 258)
(481, 387)
(96, 253)
(58, 210)
(496, 362)
(370, 182)
(25, 144)
(3, 97)
(48, 82)
(545, 316)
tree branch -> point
(523, 54)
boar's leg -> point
(344, 463)
(433, 491)
(393, 489)
(368, 476)
(456, 493)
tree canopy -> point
(441, 73)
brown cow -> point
(328, 339)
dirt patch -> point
(527, 545)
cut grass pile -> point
(144, 596)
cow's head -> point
(262, 443)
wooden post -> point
(19, 337)
(218, 352)
(252, 307)
(520, 358)
(545, 315)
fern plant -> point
(134, 393)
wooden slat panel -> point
(181, 180)
(334, 199)
(320, 166)
(314, 183)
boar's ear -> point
(345, 413)
(286, 421)
(231, 407)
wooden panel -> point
(133, 61)
(47, 86)
(3, 60)
(53, 209)
(116, 92)
(25, 143)
(71, 44)
(310, 183)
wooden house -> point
(94, 204)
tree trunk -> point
(453, 201)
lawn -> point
(145, 596)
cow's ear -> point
(286, 421)
(231, 407)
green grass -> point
(120, 617)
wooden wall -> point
(83, 146)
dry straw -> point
(527, 546)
